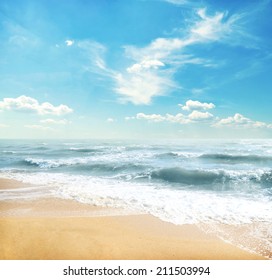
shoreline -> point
(55, 228)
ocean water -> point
(216, 183)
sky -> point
(137, 69)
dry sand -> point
(61, 229)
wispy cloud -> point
(213, 28)
(254, 66)
(151, 74)
(94, 53)
(205, 28)
(26, 103)
(197, 91)
(151, 70)
(20, 36)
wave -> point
(237, 158)
(40, 148)
(179, 155)
(108, 167)
(266, 179)
(189, 177)
(49, 163)
(184, 176)
(212, 177)
(167, 155)
(82, 164)
(218, 157)
(84, 150)
(9, 152)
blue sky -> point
(135, 69)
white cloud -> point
(152, 117)
(39, 127)
(178, 118)
(145, 64)
(110, 120)
(196, 105)
(239, 121)
(140, 88)
(51, 121)
(26, 103)
(197, 116)
(69, 43)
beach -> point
(52, 229)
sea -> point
(222, 186)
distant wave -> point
(84, 150)
(9, 152)
(41, 148)
(237, 158)
(223, 158)
(179, 154)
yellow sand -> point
(61, 229)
